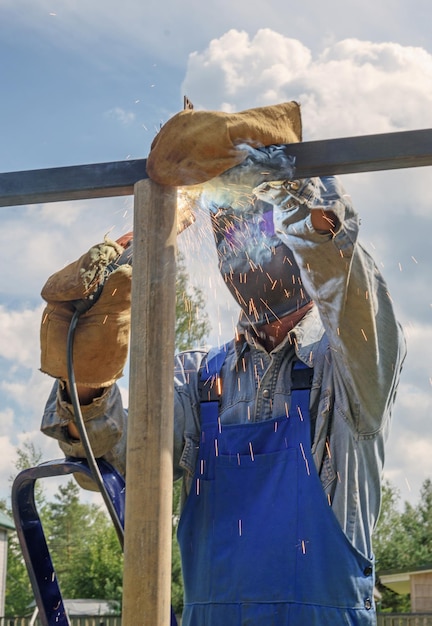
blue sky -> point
(88, 82)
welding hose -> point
(83, 432)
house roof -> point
(6, 522)
(87, 607)
(399, 581)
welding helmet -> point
(257, 267)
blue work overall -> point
(260, 544)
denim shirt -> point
(350, 337)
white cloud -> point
(353, 87)
(7, 465)
(6, 421)
(39, 240)
(19, 331)
(409, 450)
(122, 116)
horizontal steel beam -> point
(76, 182)
(365, 153)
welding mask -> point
(257, 267)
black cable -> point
(83, 432)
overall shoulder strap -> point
(301, 384)
(209, 383)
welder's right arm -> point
(106, 424)
(106, 421)
(99, 350)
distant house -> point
(6, 525)
(416, 582)
(82, 607)
(88, 607)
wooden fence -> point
(383, 619)
(404, 619)
(83, 620)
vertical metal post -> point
(148, 516)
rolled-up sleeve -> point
(105, 420)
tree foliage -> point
(192, 323)
(19, 594)
(403, 539)
(80, 534)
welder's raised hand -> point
(102, 334)
(295, 199)
(195, 146)
(289, 193)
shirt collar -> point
(305, 337)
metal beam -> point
(76, 182)
(366, 153)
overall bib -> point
(260, 544)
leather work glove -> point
(195, 146)
(297, 197)
(102, 333)
(234, 188)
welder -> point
(279, 435)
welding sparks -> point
(305, 459)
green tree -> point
(390, 544)
(176, 571)
(19, 594)
(192, 323)
(417, 524)
(403, 540)
(79, 533)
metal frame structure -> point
(366, 153)
(148, 516)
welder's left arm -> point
(351, 295)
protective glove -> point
(234, 189)
(196, 146)
(298, 197)
(102, 334)
(289, 193)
